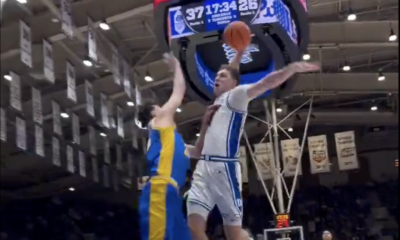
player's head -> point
(326, 235)
(227, 78)
(148, 112)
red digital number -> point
(282, 221)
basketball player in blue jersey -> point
(160, 205)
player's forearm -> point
(269, 82)
(237, 59)
(179, 86)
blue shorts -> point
(160, 210)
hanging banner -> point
(82, 164)
(15, 92)
(104, 111)
(89, 98)
(119, 157)
(106, 176)
(56, 151)
(56, 118)
(21, 133)
(39, 143)
(127, 81)
(71, 81)
(290, 156)
(76, 131)
(37, 106)
(25, 43)
(92, 140)
(111, 119)
(346, 150)
(264, 155)
(319, 157)
(92, 44)
(3, 125)
(70, 159)
(115, 66)
(138, 96)
(48, 61)
(106, 151)
(130, 165)
(120, 122)
(66, 18)
(95, 169)
(243, 164)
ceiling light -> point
(148, 78)
(103, 25)
(71, 189)
(178, 110)
(55, 20)
(7, 77)
(22, 1)
(351, 16)
(279, 110)
(306, 56)
(197, 134)
(130, 104)
(64, 115)
(346, 68)
(374, 108)
(392, 36)
(103, 134)
(87, 62)
(381, 77)
(290, 129)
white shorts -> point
(217, 183)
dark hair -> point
(144, 114)
(234, 72)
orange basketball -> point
(237, 35)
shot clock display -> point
(282, 220)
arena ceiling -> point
(340, 97)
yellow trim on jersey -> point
(167, 140)
(158, 210)
(161, 179)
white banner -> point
(104, 111)
(92, 140)
(138, 96)
(56, 151)
(92, 44)
(66, 18)
(116, 66)
(106, 149)
(264, 154)
(243, 164)
(119, 157)
(76, 130)
(82, 164)
(89, 98)
(37, 106)
(21, 133)
(120, 122)
(127, 81)
(346, 150)
(3, 125)
(290, 157)
(95, 169)
(25, 43)
(111, 118)
(70, 159)
(71, 90)
(39, 143)
(318, 151)
(48, 61)
(56, 118)
(15, 92)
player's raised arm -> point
(276, 78)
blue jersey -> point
(167, 155)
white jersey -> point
(222, 138)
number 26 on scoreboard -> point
(245, 5)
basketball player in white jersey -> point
(217, 178)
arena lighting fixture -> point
(381, 77)
(7, 77)
(87, 62)
(374, 108)
(346, 67)
(103, 134)
(351, 16)
(22, 1)
(392, 36)
(290, 129)
(104, 25)
(55, 20)
(279, 110)
(178, 110)
(64, 115)
(306, 56)
(197, 134)
(130, 104)
(71, 189)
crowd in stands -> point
(362, 212)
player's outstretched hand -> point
(209, 114)
(303, 67)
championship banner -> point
(92, 44)
(92, 140)
(56, 152)
(15, 92)
(104, 111)
(37, 106)
(76, 129)
(66, 18)
(82, 164)
(70, 159)
(95, 169)
(39, 143)
(120, 122)
(290, 156)
(3, 125)
(21, 133)
(56, 118)
(319, 157)
(127, 81)
(243, 164)
(346, 150)
(89, 98)
(111, 120)
(264, 155)
(48, 66)
(25, 43)
(116, 66)
(106, 151)
(71, 81)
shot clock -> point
(192, 30)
